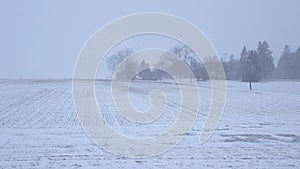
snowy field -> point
(259, 129)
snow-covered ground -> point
(259, 128)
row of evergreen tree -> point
(289, 64)
(256, 65)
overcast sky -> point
(43, 38)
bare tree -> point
(114, 60)
(184, 52)
(128, 69)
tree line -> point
(252, 66)
(184, 56)
(256, 65)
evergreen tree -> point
(284, 65)
(265, 59)
(296, 63)
(232, 68)
(251, 70)
(144, 65)
(244, 52)
(243, 61)
(144, 70)
(199, 71)
(288, 65)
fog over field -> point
(150, 84)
